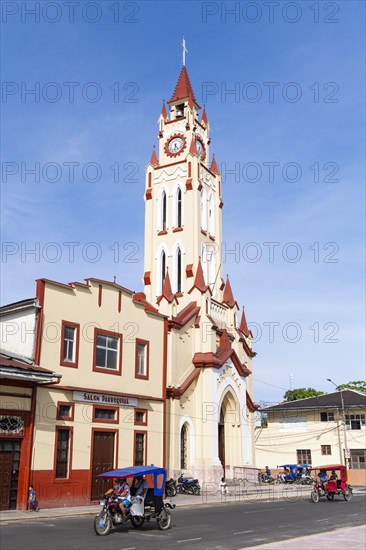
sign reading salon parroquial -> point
(104, 399)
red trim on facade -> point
(70, 404)
(70, 429)
(113, 335)
(147, 278)
(189, 170)
(176, 393)
(71, 364)
(189, 185)
(134, 445)
(212, 238)
(119, 301)
(145, 412)
(252, 407)
(177, 229)
(187, 313)
(147, 348)
(171, 163)
(106, 420)
(204, 232)
(200, 185)
(163, 232)
(189, 270)
(148, 194)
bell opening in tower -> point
(179, 111)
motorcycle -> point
(264, 478)
(188, 486)
(139, 510)
(171, 487)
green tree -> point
(358, 385)
(300, 393)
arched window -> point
(184, 447)
(163, 269)
(179, 270)
(179, 207)
(163, 211)
(203, 210)
(211, 215)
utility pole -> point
(346, 459)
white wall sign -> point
(104, 399)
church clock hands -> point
(175, 145)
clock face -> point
(200, 149)
(175, 145)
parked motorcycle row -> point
(184, 486)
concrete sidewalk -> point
(348, 537)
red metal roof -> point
(183, 89)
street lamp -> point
(344, 426)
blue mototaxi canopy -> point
(140, 471)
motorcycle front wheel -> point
(164, 519)
(102, 524)
(315, 496)
(137, 521)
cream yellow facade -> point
(312, 435)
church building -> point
(161, 376)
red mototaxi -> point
(331, 487)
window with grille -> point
(326, 449)
(62, 453)
(303, 456)
(139, 449)
(183, 447)
(327, 417)
(104, 414)
(355, 421)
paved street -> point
(213, 527)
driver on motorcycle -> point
(122, 490)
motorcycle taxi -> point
(153, 507)
(335, 484)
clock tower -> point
(209, 406)
(183, 228)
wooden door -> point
(6, 462)
(102, 461)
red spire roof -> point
(183, 88)
(167, 290)
(228, 294)
(243, 325)
(199, 280)
(154, 159)
(163, 111)
(204, 116)
(214, 167)
(193, 148)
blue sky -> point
(315, 198)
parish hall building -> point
(95, 376)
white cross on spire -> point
(184, 50)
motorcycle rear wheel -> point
(330, 496)
(102, 524)
(196, 490)
(164, 519)
(347, 495)
(171, 491)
